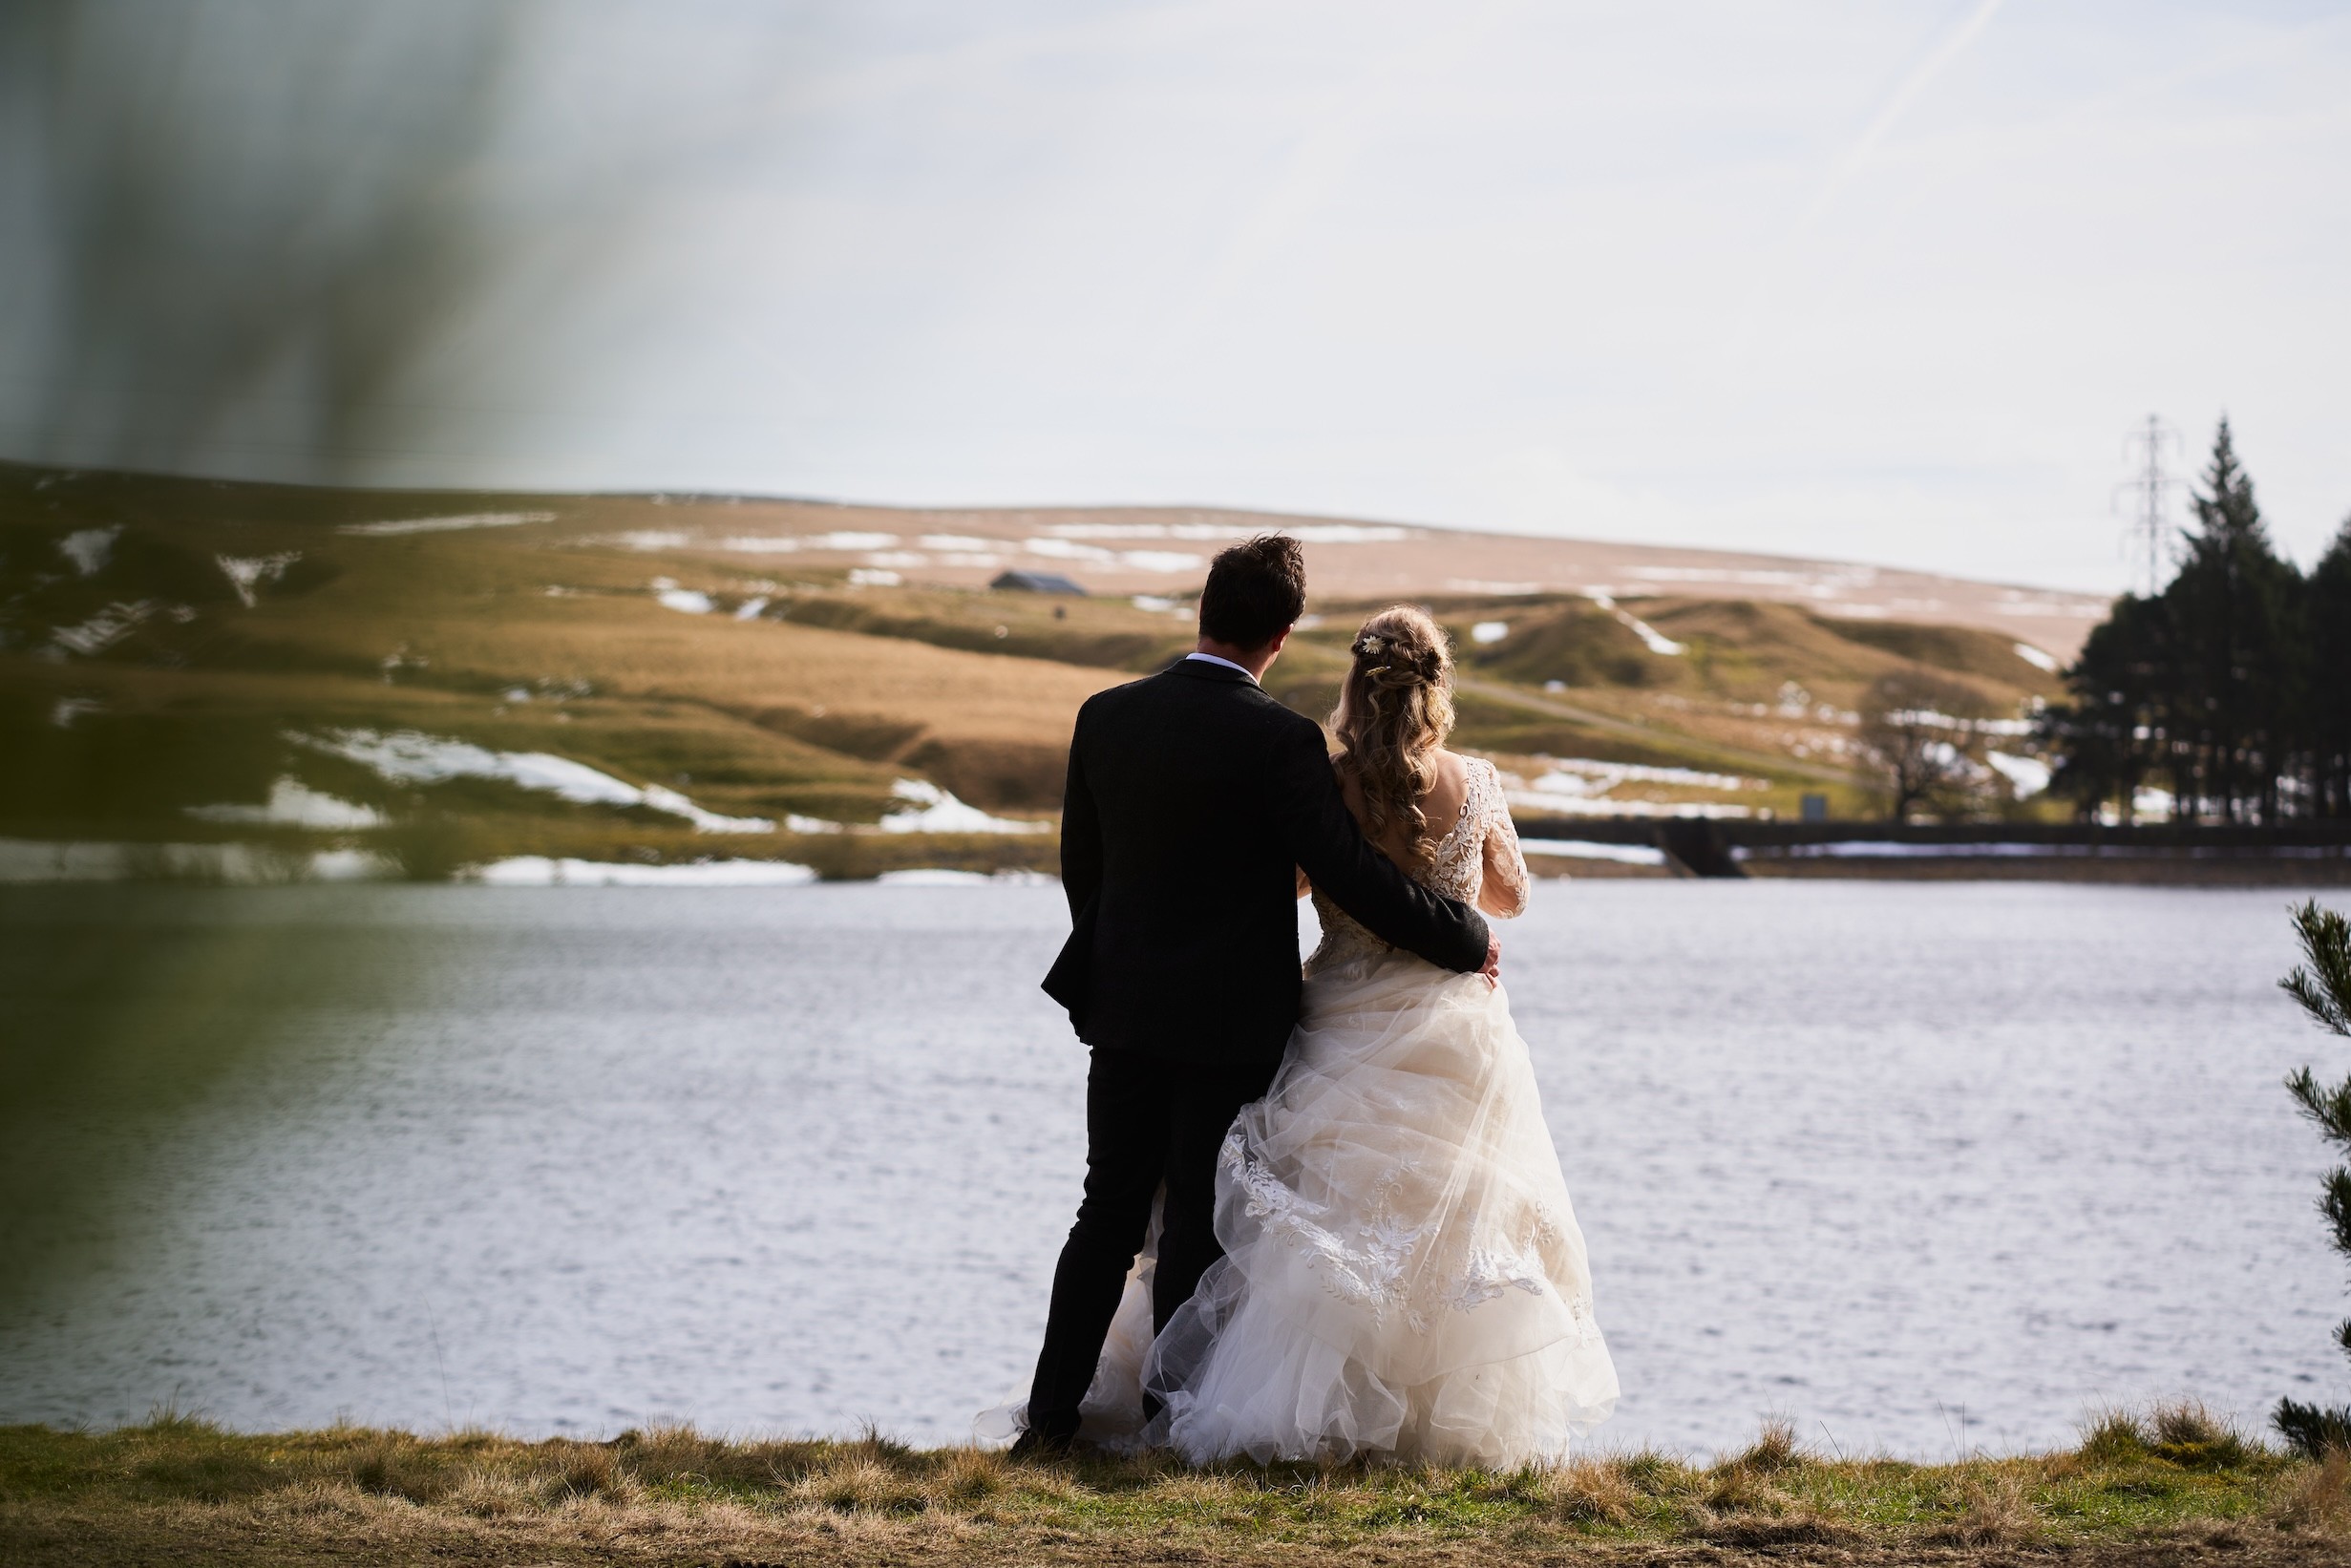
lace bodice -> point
(1458, 870)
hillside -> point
(451, 677)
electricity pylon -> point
(2150, 490)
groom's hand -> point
(1493, 971)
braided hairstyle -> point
(1395, 709)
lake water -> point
(1921, 1166)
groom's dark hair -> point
(1255, 591)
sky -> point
(1889, 282)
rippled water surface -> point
(1921, 1166)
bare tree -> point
(1920, 737)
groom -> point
(1193, 799)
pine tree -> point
(2326, 689)
(2233, 684)
(2108, 736)
(2322, 985)
(2234, 606)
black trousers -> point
(1148, 1121)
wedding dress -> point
(1403, 1277)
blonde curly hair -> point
(1395, 709)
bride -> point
(1403, 1279)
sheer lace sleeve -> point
(1504, 890)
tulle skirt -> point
(1402, 1268)
(1403, 1273)
(1403, 1277)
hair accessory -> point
(1402, 664)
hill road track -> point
(1730, 756)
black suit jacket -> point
(1192, 796)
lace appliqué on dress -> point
(1489, 1272)
(1370, 1274)
(1375, 1272)
(1457, 869)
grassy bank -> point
(2166, 1488)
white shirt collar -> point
(1212, 659)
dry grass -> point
(180, 1490)
(2319, 1500)
(1774, 1449)
(1995, 1510)
(631, 647)
(1590, 1491)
